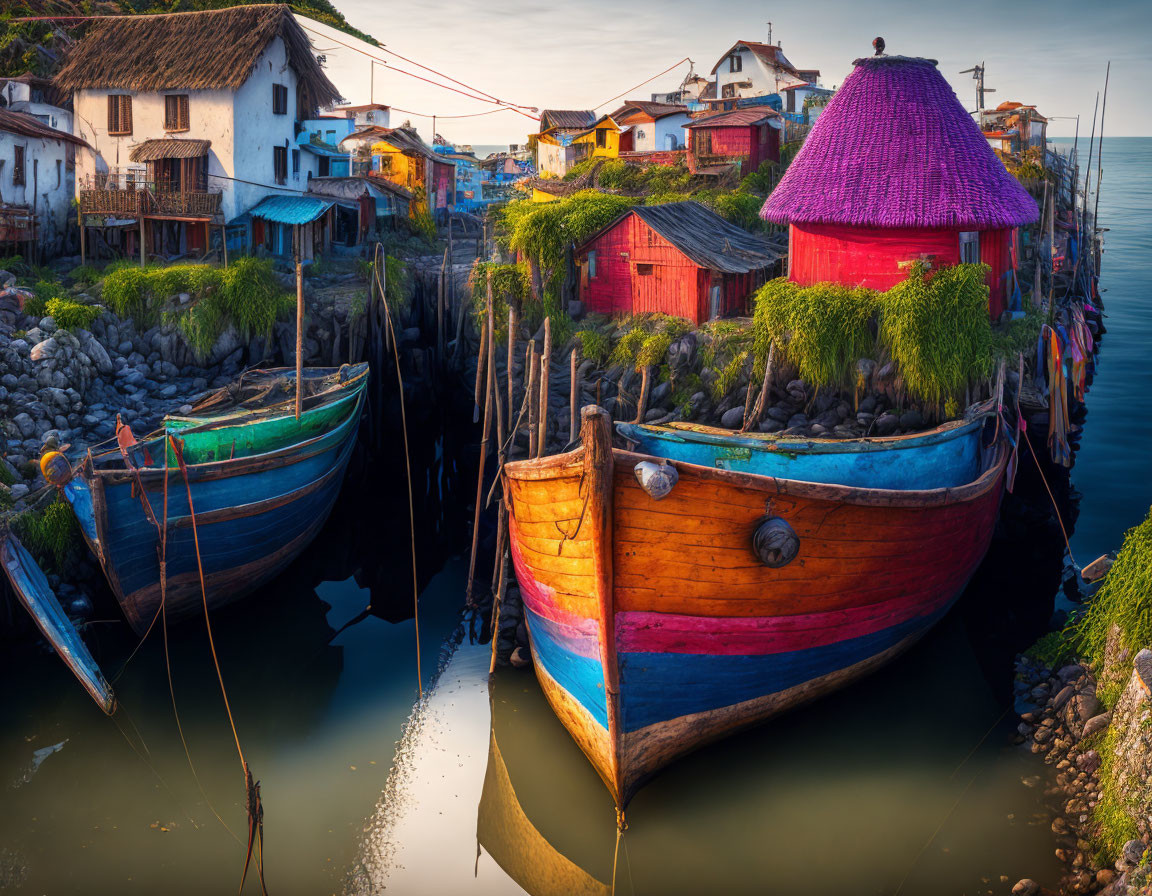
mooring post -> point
(545, 371)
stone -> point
(25, 424)
(1085, 706)
(18, 491)
(867, 405)
(887, 423)
(575, 309)
(780, 412)
(733, 418)
(1069, 672)
(1025, 887)
(771, 426)
(1143, 669)
(1063, 697)
(43, 351)
(1104, 877)
(1133, 852)
(865, 368)
(660, 393)
(911, 419)
(817, 430)
(1096, 723)
(797, 420)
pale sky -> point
(577, 55)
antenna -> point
(769, 33)
(978, 77)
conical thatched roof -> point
(215, 49)
(895, 148)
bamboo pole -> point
(533, 397)
(496, 390)
(490, 388)
(545, 375)
(573, 398)
(1100, 158)
(299, 322)
(440, 309)
(748, 394)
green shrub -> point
(937, 331)
(85, 274)
(823, 329)
(72, 315)
(1125, 600)
(510, 287)
(594, 345)
(51, 535)
(42, 293)
(14, 265)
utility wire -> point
(642, 83)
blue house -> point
(321, 137)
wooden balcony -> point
(143, 201)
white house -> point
(36, 164)
(750, 69)
(198, 130)
(654, 126)
(35, 96)
(367, 115)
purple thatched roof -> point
(895, 148)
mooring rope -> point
(407, 463)
(1052, 498)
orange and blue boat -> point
(669, 604)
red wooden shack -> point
(747, 137)
(896, 171)
(680, 259)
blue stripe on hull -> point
(658, 687)
(580, 676)
(923, 464)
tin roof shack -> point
(652, 126)
(231, 83)
(361, 205)
(37, 97)
(1013, 127)
(36, 173)
(601, 141)
(896, 171)
(743, 138)
(680, 258)
(281, 223)
(400, 157)
(555, 154)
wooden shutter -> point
(176, 112)
(119, 114)
(18, 178)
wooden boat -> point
(945, 457)
(35, 594)
(659, 625)
(255, 509)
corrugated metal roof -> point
(169, 148)
(566, 118)
(290, 209)
(328, 151)
(735, 119)
(26, 126)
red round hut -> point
(895, 171)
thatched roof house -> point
(895, 170)
(215, 49)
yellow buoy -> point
(56, 468)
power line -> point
(642, 83)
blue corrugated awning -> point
(323, 151)
(290, 209)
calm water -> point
(906, 783)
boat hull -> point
(253, 516)
(658, 628)
(946, 457)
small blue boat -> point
(945, 457)
(254, 513)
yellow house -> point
(399, 156)
(602, 140)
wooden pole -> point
(762, 399)
(224, 243)
(440, 298)
(496, 397)
(596, 435)
(480, 362)
(533, 397)
(545, 372)
(299, 320)
(143, 230)
(748, 393)
(573, 397)
(490, 388)
(1100, 156)
(642, 404)
(80, 221)
(513, 324)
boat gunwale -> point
(991, 467)
(329, 396)
(773, 443)
(151, 478)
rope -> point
(1052, 498)
(407, 462)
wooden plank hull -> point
(946, 457)
(254, 515)
(704, 638)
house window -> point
(176, 112)
(644, 270)
(970, 247)
(119, 114)
(729, 90)
(295, 164)
(601, 138)
(18, 167)
(592, 264)
(735, 62)
(279, 99)
(280, 163)
(330, 137)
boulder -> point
(733, 418)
